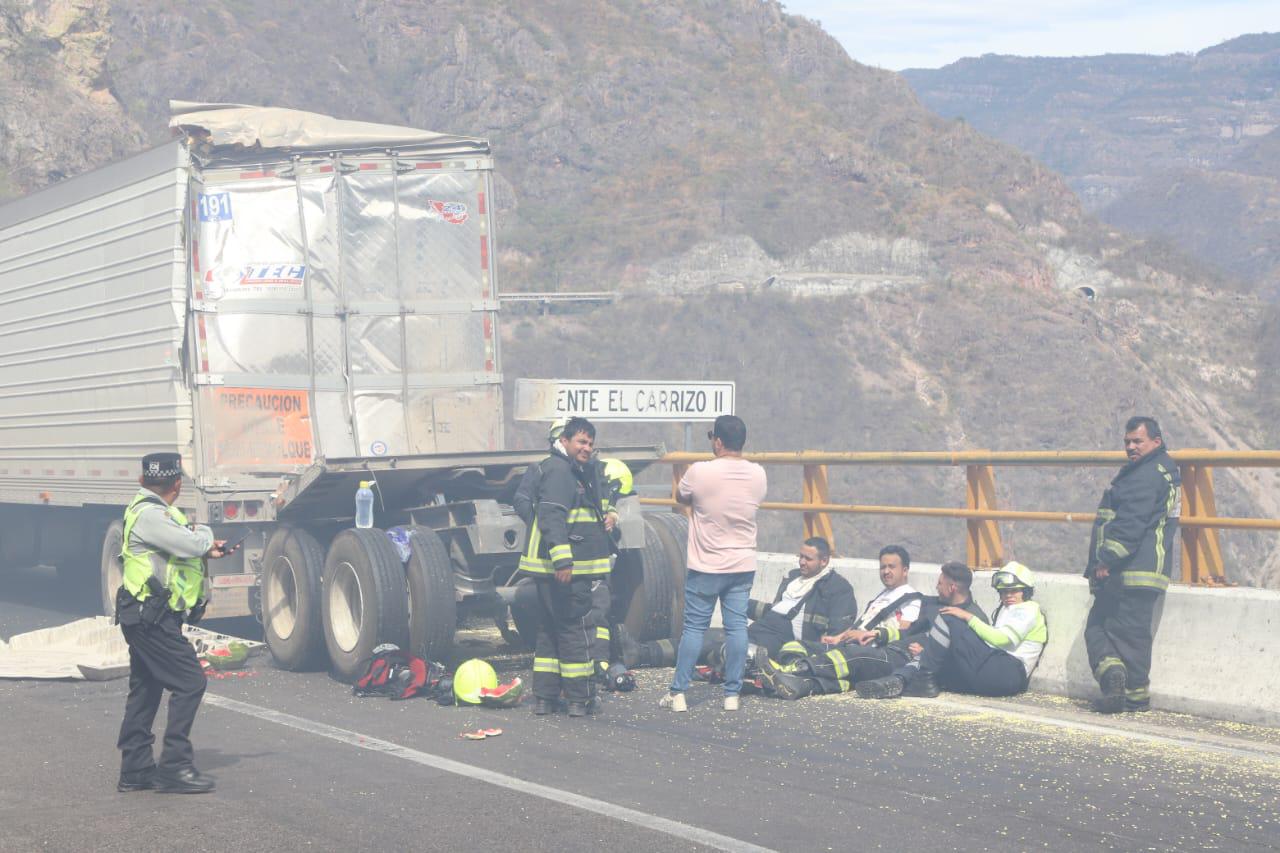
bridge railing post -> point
(816, 491)
(984, 548)
(1201, 551)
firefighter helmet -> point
(1014, 575)
(617, 470)
(470, 678)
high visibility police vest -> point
(184, 576)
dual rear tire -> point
(337, 607)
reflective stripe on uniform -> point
(602, 633)
(580, 515)
(576, 670)
(1106, 664)
(560, 552)
(1145, 580)
(551, 665)
(838, 661)
(598, 566)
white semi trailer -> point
(295, 304)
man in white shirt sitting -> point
(886, 634)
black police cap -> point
(161, 466)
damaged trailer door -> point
(343, 307)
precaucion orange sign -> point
(261, 426)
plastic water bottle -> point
(364, 504)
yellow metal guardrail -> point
(1200, 523)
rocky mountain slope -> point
(1181, 147)
(872, 275)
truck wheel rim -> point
(282, 599)
(346, 607)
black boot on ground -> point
(577, 709)
(130, 782)
(924, 685)
(542, 707)
(1112, 684)
(185, 781)
(881, 688)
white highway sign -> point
(622, 400)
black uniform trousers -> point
(963, 662)
(839, 668)
(160, 659)
(1120, 626)
(562, 650)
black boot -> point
(1112, 684)
(185, 781)
(780, 682)
(577, 709)
(881, 688)
(542, 707)
(924, 684)
(130, 782)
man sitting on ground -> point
(885, 641)
(965, 653)
(811, 601)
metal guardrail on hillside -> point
(1201, 553)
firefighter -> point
(1129, 567)
(965, 653)
(567, 551)
(164, 583)
(880, 643)
(811, 601)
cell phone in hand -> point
(233, 546)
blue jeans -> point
(701, 592)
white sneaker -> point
(673, 702)
(731, 703)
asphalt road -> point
(303, 765)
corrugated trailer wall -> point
(92, 317)
(344, 306)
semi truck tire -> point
(649, 617)
(292, 565)
(111, 566)
(433, 608)
(365, 601)
(674, 528)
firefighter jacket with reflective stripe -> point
(1135, 532)
(183, 577)
(829, 607)
(568, 529)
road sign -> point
(622, 400)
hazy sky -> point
(930, 33)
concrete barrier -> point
(1217, 651)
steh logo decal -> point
(453, 212)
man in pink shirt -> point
(724, 494)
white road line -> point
(1209, 743)
(674, 828)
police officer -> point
(568, 548)
(164, 582)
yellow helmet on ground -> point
(470, 678)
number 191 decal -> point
(214, 207)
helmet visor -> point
(1006, 580)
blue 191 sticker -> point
(215, 207)
(378, 448)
